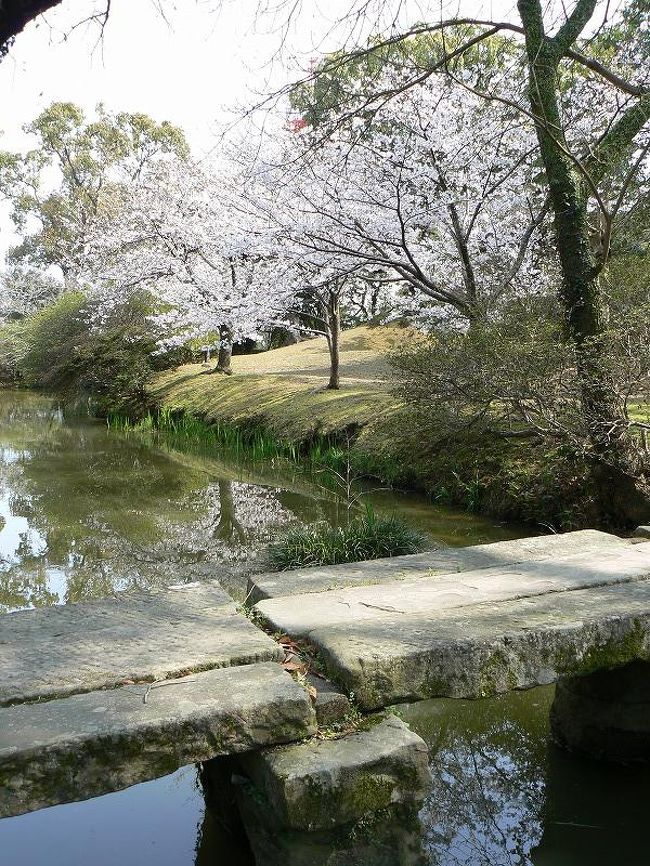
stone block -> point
(86, 745)
(327, 783)
(330, 703)
(443, 561)
(142, 636)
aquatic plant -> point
(367, 536)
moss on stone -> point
(632, 646)
(496, 675)
(369, 793)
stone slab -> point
(327, 783)
(139, 637)
(486, 649)
(330, 703)
(302, 614)
(305, 580)
(89, 744)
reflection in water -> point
(500, 797)
(487, 801)
(503, 796)
(157, 824)
(85, 513)
(488, 767)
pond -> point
(87, 513)
(501, 796)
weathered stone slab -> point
(330, 703)
(300, 615)
(58, 651)
(89, 744)
(326, 783)
(305, 580)
(485, 649)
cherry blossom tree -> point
(24, 291)
(177, 234)
(586, 170)
(430, 208)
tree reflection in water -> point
(487, 801)
(88, 513)
(85, 514)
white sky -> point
(194, 70)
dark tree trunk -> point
(333, 340)
(225, 353)
(622, 495)
(15, 14)
(228, 529)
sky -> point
(196, 66)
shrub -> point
(367, 536)
(71, 349)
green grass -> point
(284, 390)
(276, 404)
(639, 412)
(366, 536)
(254, 444)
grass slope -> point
(284, 389)
(283, 393)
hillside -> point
(285, 388)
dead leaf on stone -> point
(294, 667)
(288, 644)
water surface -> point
(85, 512)
(501, 796)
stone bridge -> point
(98, 696)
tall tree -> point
(73, 175)
(574, 183)
(177, 234)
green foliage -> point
(343, 77)
(63, 349)
(249, 441)
(367, 536)
(498, 409)
(74, 173)
(513, 376)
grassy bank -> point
(285, 388)
(276, 404)
(281, 396)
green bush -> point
(75, 350)
(367, 536)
